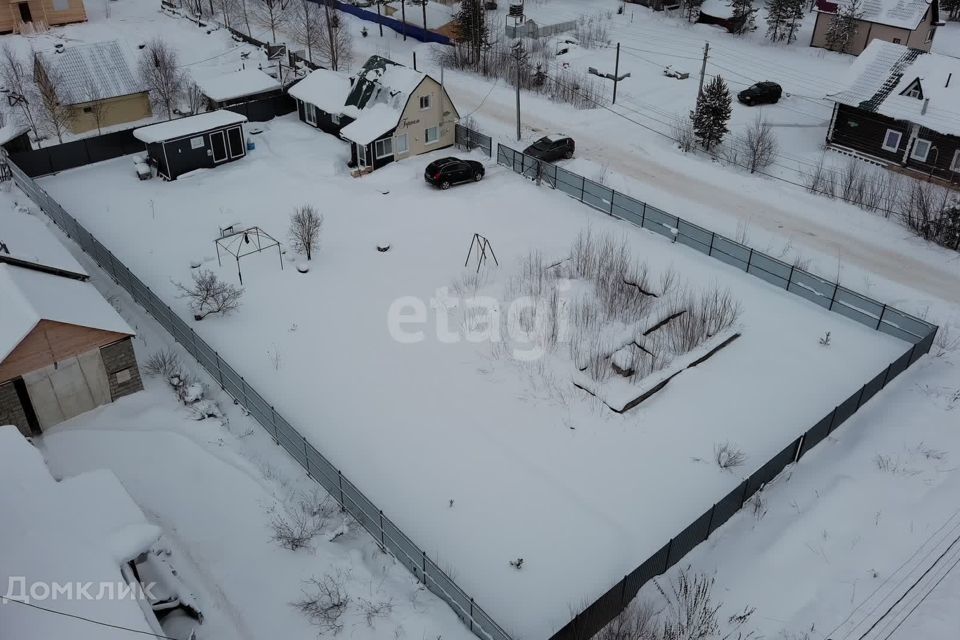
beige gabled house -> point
(28, 16)
(912, 23)
(98, 82)
(386, 111)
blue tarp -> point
(418, 33)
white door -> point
(361, 156)
(72, 387)
(310, 113)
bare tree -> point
(208, 294)
(196, 102)
(160, 72)
(325, 601)
(271, 14)
(305, 225)
(55, 114)
(307, 25)
(759, 144)
(334, 42)
(94, 102)
(19, 85)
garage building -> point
(63, 349)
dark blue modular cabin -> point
(196, 142)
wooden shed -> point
(202, 141)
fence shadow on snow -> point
(830, 295)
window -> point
(921, 149)
(425, 102)
(891, 140)
(61, 5)
(955, 165)
(431, 135)
(896, 41)
(335, 118)
(913, 90)
(310, 113)
(930, 35)
(88, 109)
(400, 144)
(197, 143)
(384, 148)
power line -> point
(926, 595)
(90, 620)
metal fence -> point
(531, 29)
(830, 295)
(405, 28)
(387, 534)
(469, 139)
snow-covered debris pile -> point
(66, 534)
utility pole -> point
(334, 52)
(616, 74)
(703, 67)
(403, 17)
(424, 5)
(519, 56)
(380, 24)
(414, 60)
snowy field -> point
(519, 452)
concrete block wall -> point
(120, 361)
(11, 411)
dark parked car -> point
(449, 171)
(760, 93)
(552, 148)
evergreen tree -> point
(691, 9)
(743, 16)
(712, 113)
(783, 19)
(951, 8)
(843, 27)
(471, 29)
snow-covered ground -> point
(320, 348)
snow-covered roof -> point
(905, 14)
(188, 126)
(237, 84)
(10, 131)
(31, 296)
(25, 239)
(717, 8)
(880, 75)
(94, 71)
(327, 90)
(373, 122)
(79, 530)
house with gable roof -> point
(901, 106)
(386, 111)
(97, 82)
(912, 23)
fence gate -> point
(469, 139)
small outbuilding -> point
(196, 142)
(250, 92)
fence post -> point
(710, 248)
(306, 458)
(424, 564)
(834, 296)
(749, 259)
(743, 496)
(243, 388)
(643, 214)
(796, 454)
(219, 371)
(276, 429)
(790, 277)
(880, 319)
(340, 484)
(383, 543)
(583, 184)
(710, 522)
(471, 614)
(666, 562)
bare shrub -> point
(295, 529)
(728, 456)
(305, 226)
(759, 145)
(690, 611)
(374, 609)
(324, 602)
(194, 99)
(159, 69)
(932, 212)
(208, 294)
(164, 363)
(945, 341)
(705, 315)
(758, 505)
(821, 179)
(636, 622)
(593, 31)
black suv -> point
(447, 171)
(760, 93)
(552, 148)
